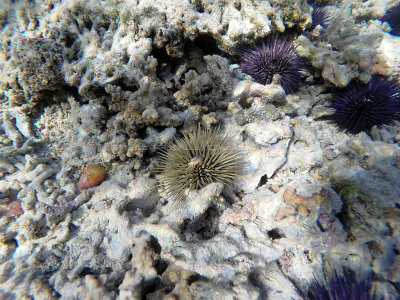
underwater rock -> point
(37, 63)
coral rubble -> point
(114, 82)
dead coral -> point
(37, 65)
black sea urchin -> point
(319, 17)
(343, 285)
(196, 160)
(360, 106)
(276, 56)
(392, 16)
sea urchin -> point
(360, 106)
(196, 160)
(319, 17)
(342, 285)
(276, 56)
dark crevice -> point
(155, 289)
(73, 230)
(396, 285)
(207, 44)
(195, 278)
(87, 271)
(74, 53)
(182, 80)
(263, 181)
(323, 118)
(120, 82)
(75, 93)
(244, 103)
(115, 285)
(255, 281)
(198, 6)
(88, 24)
(154, 244)
(320, 226)
(276, 234)
(238, 6)
(161, 265)
(166, 64)
(345, 218)
(244, 135)
(294, 31)
(125, 58)
(95, 92)
(203, 228)
(68, 39)
(106, 25)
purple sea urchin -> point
(360, 106)
(392, 16)
(343, 285)
(196, 160)
(276, 56)
(319, 17)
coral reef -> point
(113, 82)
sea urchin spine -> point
(196, 160)
(319, 17)
(276, 56)
(341, 285)
(360, 106)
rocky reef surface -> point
(111, 82)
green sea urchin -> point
(196, 160)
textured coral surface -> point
(86, 82)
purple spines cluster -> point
(319, 17)
(342, 285)
(360, 106)
(392, 16)
(277, 56)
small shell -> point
(11, 209)
(92, 175)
